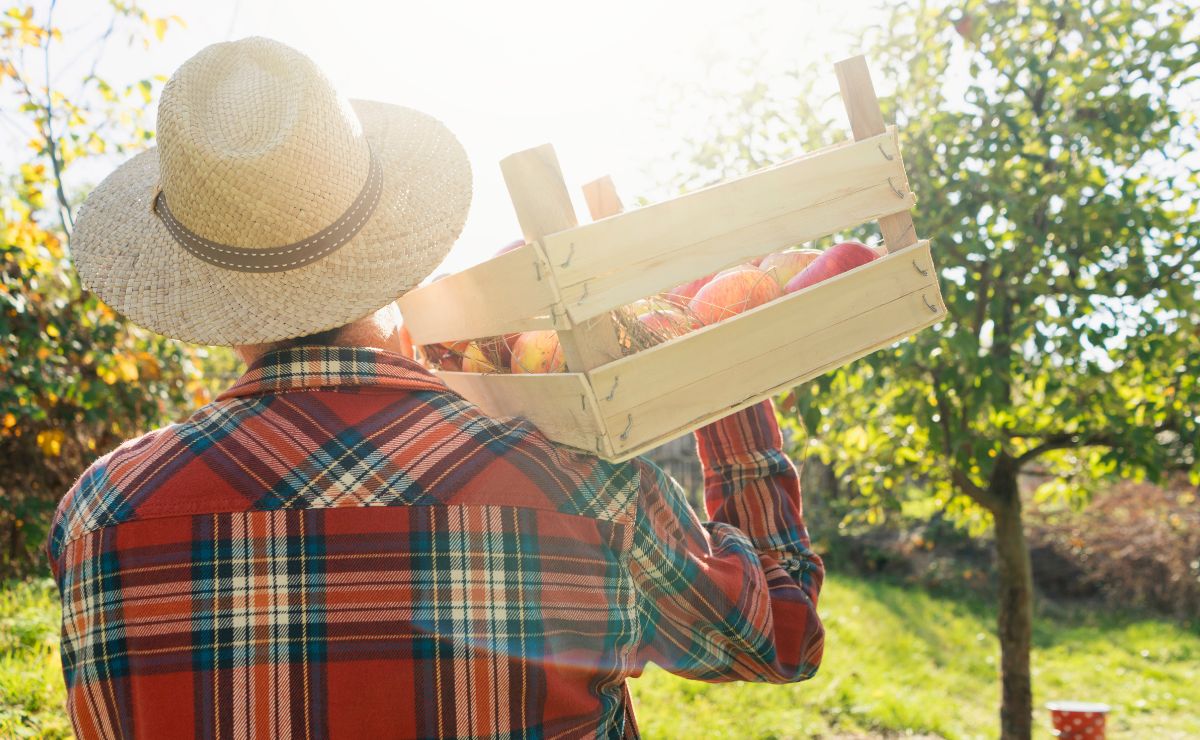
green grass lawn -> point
(897, 661)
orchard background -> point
(1020, 481)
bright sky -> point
(503, 76)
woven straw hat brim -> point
(125, 254)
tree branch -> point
(982, 496)
(64, 209)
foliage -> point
(1048, 146)
(934, 671)
(75, 379)
(1068, 238)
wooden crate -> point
(570, 277)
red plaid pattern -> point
(339, 546)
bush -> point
(1136, 544)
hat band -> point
(287, 257)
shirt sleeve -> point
(734, 598)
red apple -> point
(537, 352)
(784, 265)
(732, 293)
(833, 261)
(680, 295)
(662, 324)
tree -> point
(1056, 189)
(75, 379)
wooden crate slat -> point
(632, 384)
(703, 257)
(654, 232)
(761, 331)
(499, 296)
(560, 404)
(687, 407)
(648, 440)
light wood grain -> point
(743, 379)
(543, 206)
(681, 239)
(629, 383)
(559, 404)
(510, 292)
(602, 199)
(619, 288)
(648, 441)
(866, 121)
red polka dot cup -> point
(1078, 720)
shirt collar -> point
(307, 368)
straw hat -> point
(272, 207)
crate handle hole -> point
(888, 157)
(918, 268)
(892, 185)
(929, 305)
(613, 391)
(570, 256)
(628, 425)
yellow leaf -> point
(51, 442)
(52, 331)
(127, 368)
(10, 420)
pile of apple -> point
(673, 313)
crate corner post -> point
(543, 205)
(866, 120)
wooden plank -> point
(539, 195)
(632, 448)
(690, 406)
(646, 237)
(866, 121)
(630, 384)
(558, 404)
(617, 289)
(602, 199)
(510, 292)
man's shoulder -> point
(120, 484)
(514, 450)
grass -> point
(899, 661)
(31, 685)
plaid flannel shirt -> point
(341, 546)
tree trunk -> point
(1016, 607)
